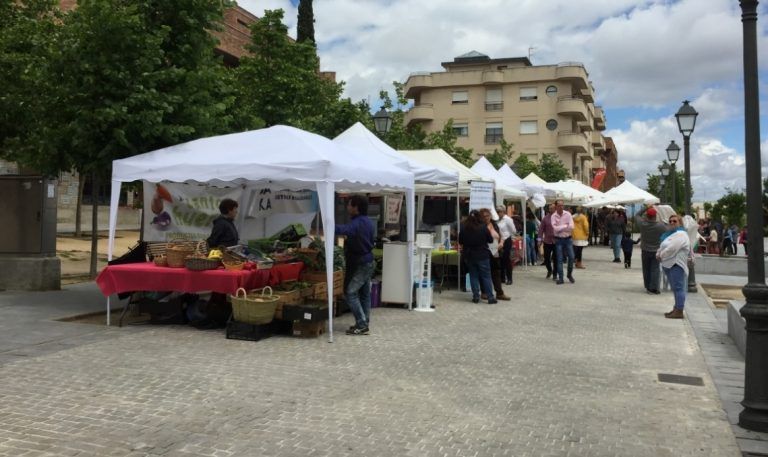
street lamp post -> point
(686, 122)
(755, 311)
(662, 181)
(673, 153)
(382, 121)
(663, 177)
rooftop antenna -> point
(530, 52)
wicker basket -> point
(196, 263)
(254, 309)
(160, 261)
(177, 252)
(233, 265)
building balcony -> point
(420, 113)
(573, 72)
(599, 118)
(416, 83)
(586, 126)
(493, 77)
(573, 142)
(572, 106)
(588, 95)
(598, 141)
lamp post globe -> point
(755, 311)
(664, 170)
(673, 153)
(382, 121)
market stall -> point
(363, 144)
(284, 157)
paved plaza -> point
(569, 370)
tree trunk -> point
(79, 207)
(94, 224)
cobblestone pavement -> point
(567, 370)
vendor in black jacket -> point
(224, 232)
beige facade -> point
(538, 109)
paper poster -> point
(394, 205)
(187, 211)
(481, 195)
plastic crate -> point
(248, 332)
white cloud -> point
(639, 53)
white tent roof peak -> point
(485, 169)
(362, 142)
(628, 189)
(533, 178)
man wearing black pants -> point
(548, 238)
(506, 230)
(650, 240)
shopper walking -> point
(674, 253)
(615, 225)
(548, 239)
(494, 250)
(530, 237)
(651, 230)
(473, 239)
(743, 240)
(358, 256)
(580, 234)
(562, 224)
(507, 230)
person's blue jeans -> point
(616, 244)
(530, 248)
(480, 272)
(563, 246)
(650, 270)
(678, 282)
(358, 294)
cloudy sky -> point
(644, 58)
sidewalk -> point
(569, 370)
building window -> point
(551, 124)
(493, 100)
(494, 132)
(461, 129)
(551, 91)
(460, 97)
(528, 93)
(529, 127)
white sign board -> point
(394, 205)
(481, 196)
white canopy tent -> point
(358, 139)
(628, 189)
(441, 159)
(575, 192)
(514, 181)
(280, 156)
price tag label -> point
(308, 316)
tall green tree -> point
(523, 166)
(552, 169)
(279, 83)
(305, 27)
(731, 208)
(501, 155)
(665, 193)
(124, 78)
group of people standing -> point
(718, 238)
(485, 249)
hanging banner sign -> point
(481, 195)
(186, 211)
(394, 206)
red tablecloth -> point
(116, 279)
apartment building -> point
(539, 109)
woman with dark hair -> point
(474, 239)
(494, 250)
(224, 232)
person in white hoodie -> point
(673, 254)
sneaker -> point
(358, 331)
(559, 281)
(509, 282)
(475, 300)
(492, 301)
(616, 260)
(503, 297)
(549, 274)
(570, 278)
